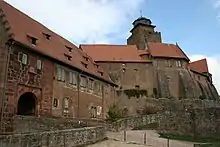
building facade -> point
(149, 68)
(43, 74)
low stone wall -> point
(66, 138)
(25, 124)
(132, 122)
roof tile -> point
(22, 26)
(199, 66)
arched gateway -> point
(27, 104)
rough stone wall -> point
(187, 118)
(132, 122)
(3, 60)
(130, 75)
(67, 138)
(30, 124)
(26, 78)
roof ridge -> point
(106, 45)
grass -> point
(147, 127)
(211, 141)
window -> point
(99, 87)
(72, 78)
(39, 64)
(178, 63)
(83, 81)
(84, 64)
(107, 89)
(69, 48)
(23, 58)
(60, 74)
(66, 103)
(137, 87)
(167, 63)
(47, 36)
(55, 103)
(68, 57)
(91, 84)
(32, 40)
(63, 75)
(86, 58)
(155, 63)
(101, 73)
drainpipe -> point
(5, 80)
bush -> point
(116, 113)
(148, 109)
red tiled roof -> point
(200, 66)
(22, 26)
(113, 53)
(166, 50)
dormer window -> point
(32, 40)
(86, 58)
(96, 65)
(100, 72)
(68, 57)
(69, 48)
(84, 64)
(47, 36)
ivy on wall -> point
(133, 92)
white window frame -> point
(24, 58)
(39, 64)
(91, 84)
(66, 103)
(62, 74)
(59, 73)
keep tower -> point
(142, 32)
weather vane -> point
(141, 13)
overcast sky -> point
(194, 24)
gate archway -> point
(27, 104)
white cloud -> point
(87, 21)
(214, 67)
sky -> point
(193, 24)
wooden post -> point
(125, 137)
(168, 142)
(145, 138)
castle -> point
(43, 74)
(148, 67)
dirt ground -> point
(136, 139)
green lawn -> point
(147, 127)
(211, 142)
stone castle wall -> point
(67, 138)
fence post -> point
(168, 142)
(145, 138)
(125, 137)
